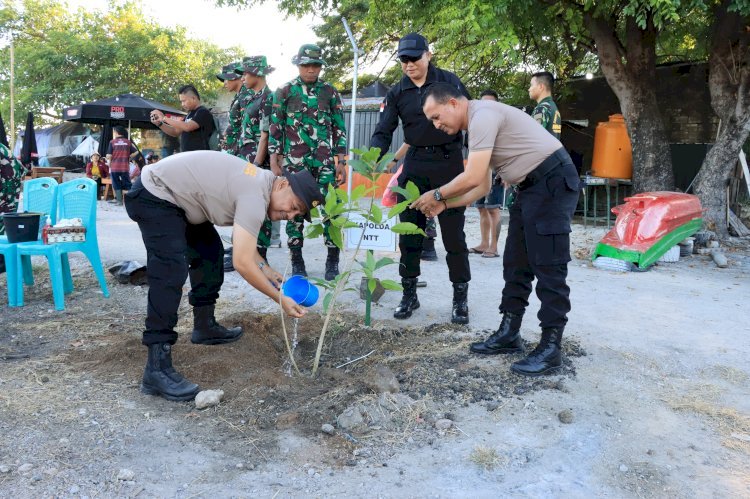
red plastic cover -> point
(647, 217)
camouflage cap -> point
(228, 72)
(254, 64)
(308, 53)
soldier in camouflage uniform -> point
(307, 131)
(256, 115)
(11, 175)
(545, 112)
(233, 83)
(252, 142)
(254, 135)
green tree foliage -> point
(488, 43)
(65, 57)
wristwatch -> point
(436, 194)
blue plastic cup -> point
(301, 291)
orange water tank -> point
(613, 154)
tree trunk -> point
(729, 83)
(630, 71)
(711, 181)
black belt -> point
(545, 167)
(444, 148)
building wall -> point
(366, 122)
(685, 101)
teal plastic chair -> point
(75, 199)
(40, 196)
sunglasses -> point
(405, 59)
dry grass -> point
(486, 458)
(728, 373)
(731, 424)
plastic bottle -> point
(47, 225)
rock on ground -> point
(443, 424)
(383, 380)
(208, 398)
(565, 416)
(126, 475)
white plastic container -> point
(671, 256)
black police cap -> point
(306, 188)
(412, 45)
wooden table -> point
(56, 172)
(107, 184)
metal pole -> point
(12, 103)
(353, 115)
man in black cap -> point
(176, 204)
(434, 158)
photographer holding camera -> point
(195, 131)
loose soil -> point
(652, 400)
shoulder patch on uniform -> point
(251, 170)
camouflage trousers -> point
(9, 191)
(325, 175)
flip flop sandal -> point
(474, 250)
(488, 254)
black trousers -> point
(430, 168)
(175, 249)
(538, 242)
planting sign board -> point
(378, 237)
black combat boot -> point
(507, 338)
(332, 264)
(428, 250)
(263, 252)
(409, 301)
(545, 358)
(460, 303)
(160, 378)
(206, 331)
(228, 265)
(298, 264)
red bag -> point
(389, 197)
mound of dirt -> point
(432, 365)
(429, 369)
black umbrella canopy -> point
(124, 109)
(28, 149)
(3, 136)
(104, 139)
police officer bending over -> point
(176, 203)
(507, 140)
(434, 158)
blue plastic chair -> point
(75, 199)
(40, 196)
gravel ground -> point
(652, 402)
